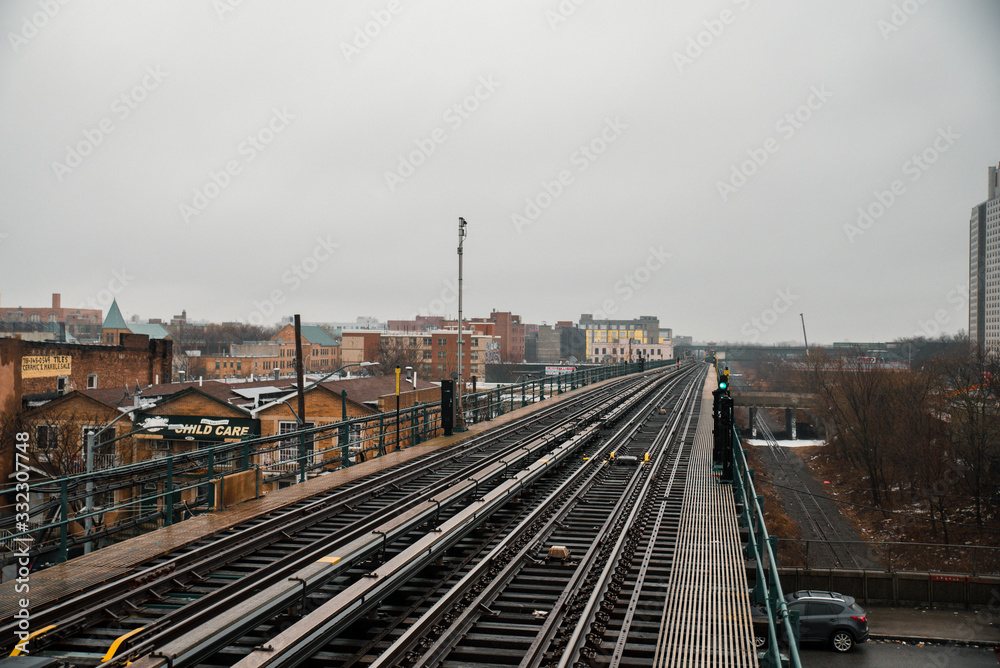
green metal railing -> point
(154, 488)
(761, 549)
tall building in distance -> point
(984, 267)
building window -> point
(442, 354)
(239, 365)
(47, 437)
(92, 381)
(442, 342)
(61, 385)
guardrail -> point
(761, 548)
(158, 492)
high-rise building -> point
(984, 267)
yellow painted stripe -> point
(329, 560)
(21, 645)
(118, 643)
(544, 461)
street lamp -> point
(459, 414)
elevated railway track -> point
(547, 542)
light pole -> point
(459, 414)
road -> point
(898, 655)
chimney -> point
(56, 300)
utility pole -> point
(397, 407)
(459, 414)
(804, 338)
(300, 392)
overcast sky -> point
(704, 162)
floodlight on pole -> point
(462, 233)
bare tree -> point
(971, 380)
(398, 351)
(854, 397)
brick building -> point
(320, 351)
(437, 351)
(421, 323)
(560, 342)
(357, 347)
(510, 329)
(32, 373)
(83, 324)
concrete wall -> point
(899, 587)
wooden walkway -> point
(706, 621)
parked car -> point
(824, 616)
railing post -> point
(168, 500)
(64, 516)
(524, 402)
(413, 426)
(425, 421)
(345, 446)
(302, 453)
(381, 434)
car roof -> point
(812, 594)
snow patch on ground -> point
(799, 443)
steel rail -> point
(425, 625)
(248, 614)
(309, 634)
(77, 612)
(578, 638)
(633, 604)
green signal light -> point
(723, 385)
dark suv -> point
(824, 616)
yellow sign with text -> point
(40, 366)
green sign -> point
(194, 428)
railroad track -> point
(180, 592)
(830, 546)
(511, 602)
